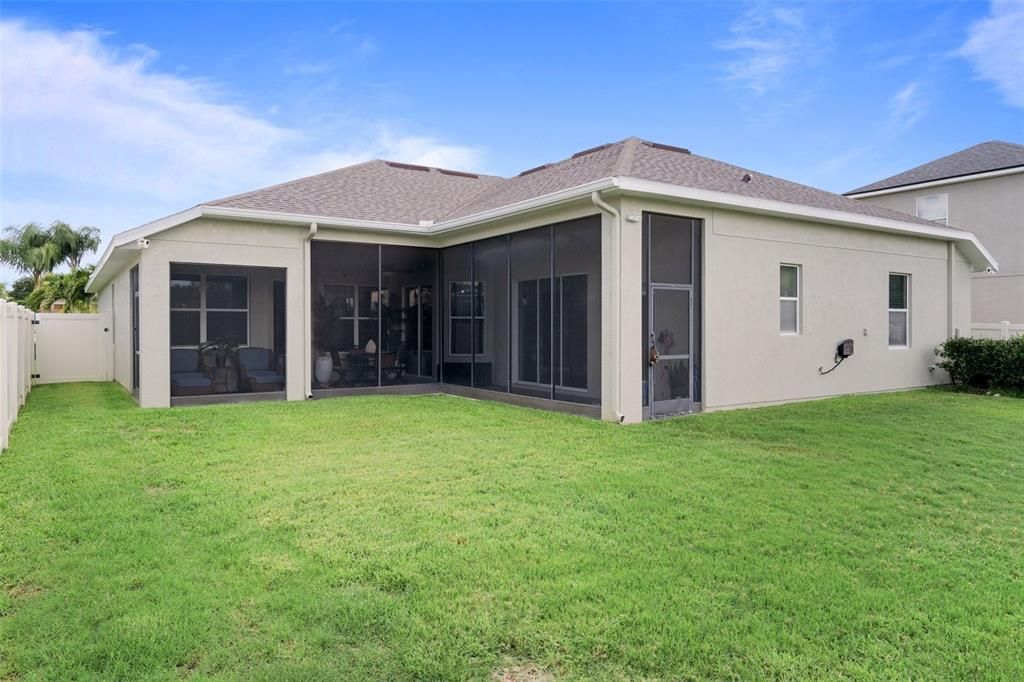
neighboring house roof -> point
(398, 197)
(981, 158)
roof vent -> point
(458, 174)
(534, 170)
(407, 166)
(591, 150)
(426, 223)
(667, 147)
(747, 177)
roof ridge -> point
(627, 155)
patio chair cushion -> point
(185, 360)
(255, 359)
(190, 380)
(265, 377)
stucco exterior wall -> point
(746, 360)
(844, 294)
(215, 242)
(993, 209)
(116, 298)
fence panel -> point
(995, 330)
(72, 347)
(16, 353)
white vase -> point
(323, 369)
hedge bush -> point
(984, 363)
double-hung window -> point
(467, 306)
(899, 310)
(789, 299)
(934, 207)
(209, 307)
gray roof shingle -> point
(398, 193)
(981, 158)
(375, 190)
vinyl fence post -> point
(1004, 329)
(4, 375)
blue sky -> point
(117, 114)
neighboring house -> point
(980, 189)
(555, 288)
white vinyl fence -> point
(16, 340)
(73, 347)
(995, 330)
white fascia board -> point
(305, 220)
(128, 238)
(978, 255)
(545, 201)
(936, 183)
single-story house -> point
(632, 280)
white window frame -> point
(359, 317)
(203, 309)
(945, 201)
(472, 317)
(905, 311)
(799, 287)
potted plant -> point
(325, 320)
(222, 350)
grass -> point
(432, 537)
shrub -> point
(984, 363)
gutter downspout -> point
(595, 197)
(307, 314)
(951, 329)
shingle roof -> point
(393, 192)
(376, 190)
(981, 158)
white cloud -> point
(79, 111)
(94, 134)
(906, 107)
(995, 47)
(767, 41)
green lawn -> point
(438, 538)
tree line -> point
(37, 251)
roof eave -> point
(976, 253)
(979, 257)
(951, 180)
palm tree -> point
(74, 244)
(68, 287)
(30, 249)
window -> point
(789, 299)
(209, 307)
(227, 308)
(934, 207)
(899, 310)
(356, 309)
(467, 317)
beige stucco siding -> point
(215, 242)
(993, 209)
(746, 360)
(115, 298)
(844, 294)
